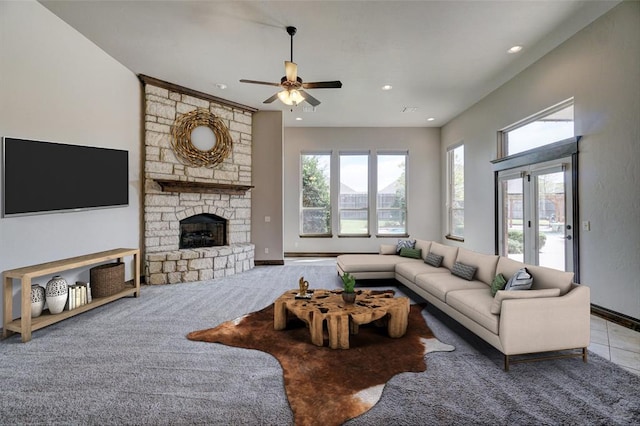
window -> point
(551, 125)
(455, 192)
(353, 207)
(391, 206)
(315, 200)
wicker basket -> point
(107, 279)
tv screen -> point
(41, 177)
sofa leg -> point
(584, 355)
(506, 363)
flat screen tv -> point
(42, 177)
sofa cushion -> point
(369, 262)
(387, 249)
(501, 295)
(475, 304)
(410, 270)
(411, 253)
(550, 278)
(498, 283)
(441, 284)
(486, 263)
(434, 260)
(508, 267)
(464, 271)
(425, 246)
(405, 243)
(448, 252)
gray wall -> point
(57, 86)
(600, 67)
(266, 197)
(423, 183)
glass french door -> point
(535, 214)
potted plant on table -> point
(349, 284)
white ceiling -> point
(441, 57)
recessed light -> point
(430, 119)
(387, 87)
(409, 109)
(221, 86)
(298, 118)
(514, 49)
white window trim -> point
(450, 188)
(331, 195)
(406, 195)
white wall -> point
(600, 67)
(423, 183)
(57, 86)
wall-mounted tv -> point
(43, 177)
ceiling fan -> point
(292, 85)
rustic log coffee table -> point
(343, 318)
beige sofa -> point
(553, 316)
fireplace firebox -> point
(203, 230)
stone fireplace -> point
(197, 220)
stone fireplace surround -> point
(223, 190)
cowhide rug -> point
(329, 386)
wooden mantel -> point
(202, 187)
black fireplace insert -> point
(203, 230)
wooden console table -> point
(25, 324)
(342, 318)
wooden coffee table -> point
(343, 318)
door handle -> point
(568, 237)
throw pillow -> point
(434, 259)
(387, 249)
(412, 253)
(464, 271)
(501, 295)
(521, 280)
(498, 283)
(405, 243)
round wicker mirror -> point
(199, 156)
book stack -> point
(79, 295)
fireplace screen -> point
(203, 230)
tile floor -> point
(609, 340)
(616, 343)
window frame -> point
(450, 171)
(301, 208)
(366, 234)
(405, 154)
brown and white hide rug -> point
(330, 386)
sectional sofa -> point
(552, 316)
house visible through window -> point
(455, 192)
(315, 206)
(353, 206)
(391, 206)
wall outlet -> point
(267, 219)
(586, 225)
(266, 250)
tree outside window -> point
(316, 194)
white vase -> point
(37, 300)
(56, 293)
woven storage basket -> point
(107, 279)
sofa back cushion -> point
(486, 264)
(550, 278)
(448, 253)
(542, 277)
(425, 246)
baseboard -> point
(268, 262)
(307, 254)
(616, 317)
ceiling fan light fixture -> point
(290, 97)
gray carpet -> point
(129, 362)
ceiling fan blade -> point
(260, 82)
(271, 99)
(323, 85)
(307, 97)
(291, 70)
